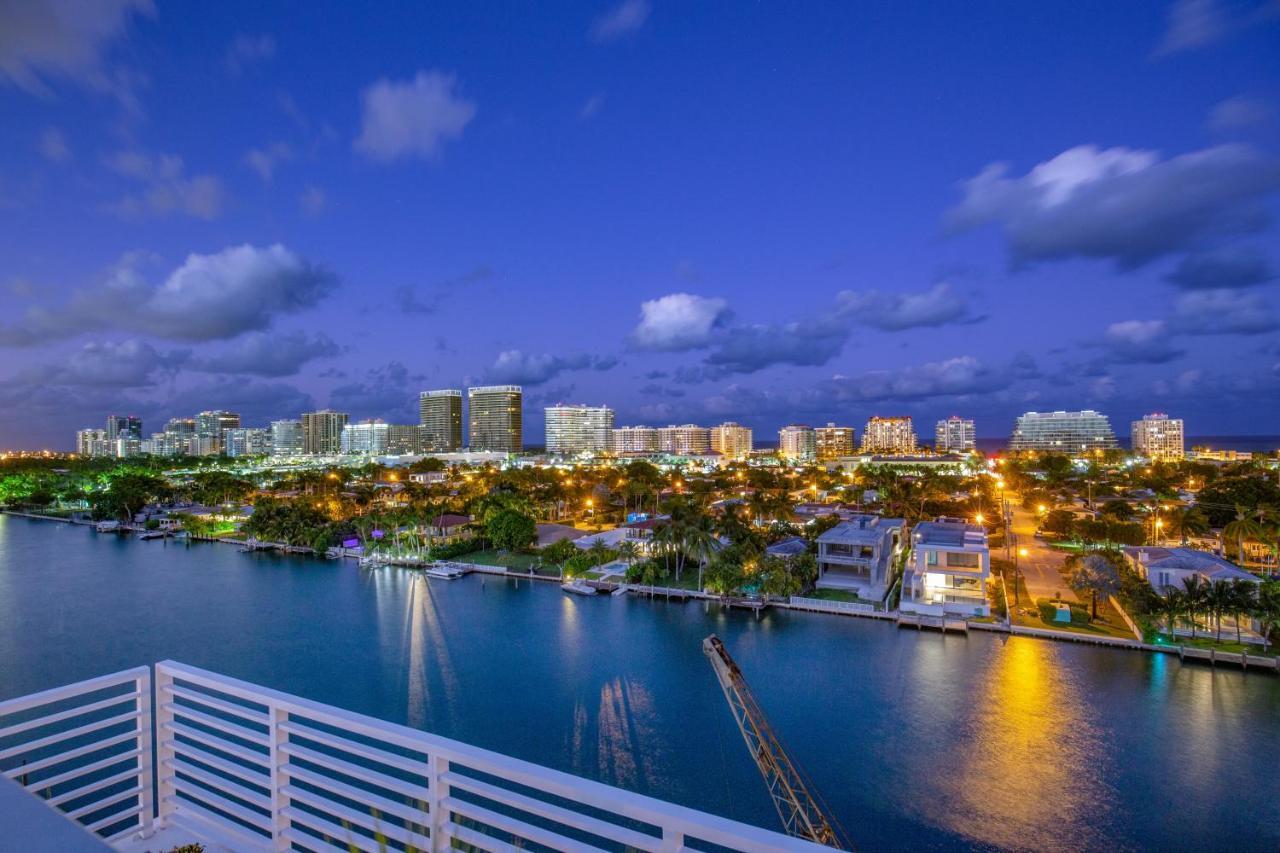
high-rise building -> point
(633, 439)
(888, 435)
(955, 435)
(404, 439)
(322, 432)
(496, 418)
(210, 427)
(686, 440)
(124, 426)
(246, 441)
(731, 440)
(1063, 432)
(286, 438)
(93, 442)
(1158, 436)
(834, 441)
(578, 429)
(440, 414)
(369, 438)
(797, 443)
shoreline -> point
(1243, 661)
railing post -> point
(672, 839)
(279, 823)
(437, 793)
(146, 742)
(163, 685)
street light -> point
(1021, 552)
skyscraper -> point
(834, 441)
(123, 426)
(1158, 436)
(1063, 432)
(496, 418)
(955, 435)
(440, 414)
(369, 437)
(210, 427)
(731, 440)
(686, 440)
(246, 441)
(633, 439)
(797, 443)
(889, 435)
(286, 438)
(578, 429)
(322, 432)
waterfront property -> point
(856, 555)
(948, 570)
(1170, 568)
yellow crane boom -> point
(801, 813)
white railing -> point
(260, 769)
(86, 750)
(832, 606)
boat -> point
(154, 534)
(444, 572)
(107, 526)
(578, 587)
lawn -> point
(837, 595)
(507, 560)
(1228, 644)
(1108, 624)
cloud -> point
(1140, 342)
(1239, 113)
(313, 201)
(411, 118)
(1222, 312)
(271, 355)
(622, 20)
(1223, 269)
(209, 297)
(954, 377)
(747, 349)
(408, 300)
(264, 160)
(41, 40)
(1192, 24)
(124, 364)
(383, 393)
(246, 50)
(167, 188)
(1118, 204)
(257, 402)
(53, 146)
(514, 367)
(894, 312)
(679, 321)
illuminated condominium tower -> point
(578, 429)
(633, 439)
(686, 440)
(834, 441)
(955, 435)
(496, 418)
(889, 435)
(440, 414)
(286, 438)
(1158, 436)
(731, 440)
(1063, 432)
(322, 432)
(797, 443)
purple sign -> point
(350, 543)
(377, 534)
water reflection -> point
(426, 648)
(626, 750)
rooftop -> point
(861, 529)
(1189, 559)
(948, 533)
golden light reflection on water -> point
(1029, 779)
(627, 750)
(425, 646)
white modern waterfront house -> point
(154, 759)
(856, 555)
(948, 570)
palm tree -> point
(700, 543)
(1217, 600)
(1187, 522)
(1096, 574)
(1195, 592)
(628, 551)
(1243, 600)
(1266, 610)
(1240, 529)
(1172, 606)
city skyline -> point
(621, 204)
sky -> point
(691, 212)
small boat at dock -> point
(578, 587)
(444, 572)
(107, 527)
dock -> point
(945, 624)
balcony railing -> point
(250, 768)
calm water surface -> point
(915, 740)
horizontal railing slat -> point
(382, 804)
(69, 734)
(96, 785)
(84, 770)
(189, 811)
(208, 741)
(365, 774)
(194, 753)
(99, 805)
(363, 750)
(71, 713)
(52, 760)
(70, 691)
(226, 726)
(329, 829)
(251, 714)
(519, 828)
(220, 801)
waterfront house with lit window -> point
(448, 528)
(857, 555)
(1169, 568)
(948, 570)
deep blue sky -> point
(691, 212)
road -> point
(1040, 568)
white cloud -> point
(264, 160)
(42, 40)
(1239, 113)
(1192, 24)
(625, 18)
(1141, 342)
(514, 367)
(209, 297)
(895, 312)
(679, 321)
(246, 50)
(167, 187)
(53, 146)
(412, 118)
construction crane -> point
(801, 812)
